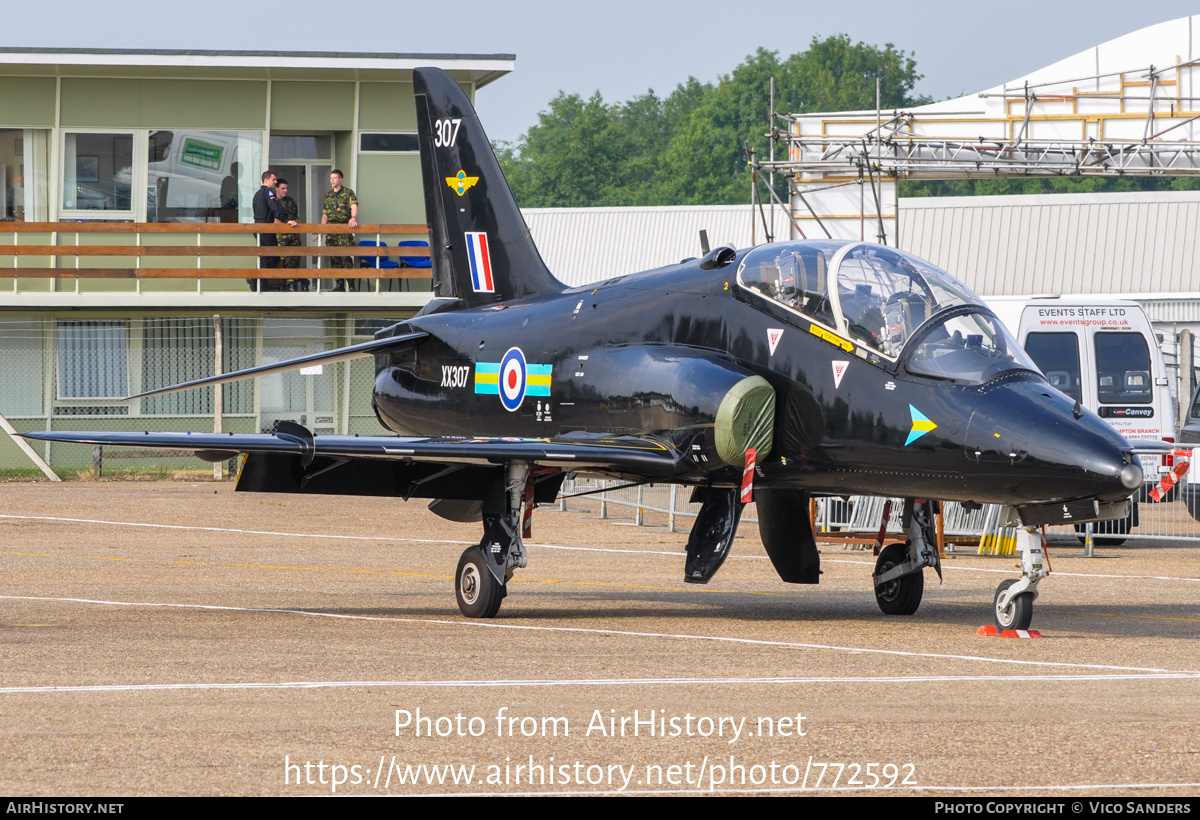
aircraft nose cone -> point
(1039, 450)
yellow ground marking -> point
(406, 574)
(654, 588)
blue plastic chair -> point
(415, 261)
(376, 261)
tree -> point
(690, 147)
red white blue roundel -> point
(513, 372)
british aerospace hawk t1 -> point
(786, 370)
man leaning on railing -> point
(267, 211)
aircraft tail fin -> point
(479, 244)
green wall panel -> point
(343, 155)
(389, 188)
(206, 104)
(131, 103)
(27, 102)
(98, 103)
(386, 107)
(312, 106)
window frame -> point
(138, 177)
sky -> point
(620, 47)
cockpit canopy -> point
(885, 299)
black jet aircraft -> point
(786, 370)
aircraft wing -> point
(642, 455)
(340, 354)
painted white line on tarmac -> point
(1013, 571)
(545, 546)
(616, 682)
(338, 537)
(576, 630)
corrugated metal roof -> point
(582, 245)
(1135, 243)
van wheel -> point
(1103, 532)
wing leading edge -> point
(644, 455)
(340, 354)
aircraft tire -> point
(903, 595)
(478, 592)
(1020, 610)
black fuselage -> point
(646, 353)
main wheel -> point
(478, 592)
(1019, 612)
(899, 596)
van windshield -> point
(1123, 368)
(1057, 355)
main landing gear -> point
(1013, 604)
(899, 573)
(484, 570)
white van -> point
(1101, 352)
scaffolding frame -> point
(1142, 122)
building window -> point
(388, 143)
(93, 360)
(98, 174)
(301, 146)
(24, 170)
(202, 176)
(21, 346)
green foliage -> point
(1045, 185)
(690, 147)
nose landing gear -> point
(1013, 604)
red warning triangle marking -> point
(839, 370)
(774, 334)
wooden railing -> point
(142, 254)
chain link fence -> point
(1174, 516)
(72, 374)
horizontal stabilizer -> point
(341, 354)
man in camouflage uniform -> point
(340, 208)
(289, 240)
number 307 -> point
(445, 132)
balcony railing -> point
(153, 250)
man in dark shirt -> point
(267, 211)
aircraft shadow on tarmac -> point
(1063, 621)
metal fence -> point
(1176, 517)
(69, 374)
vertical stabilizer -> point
(480, 246)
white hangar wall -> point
(1137, 245)
(584, 245)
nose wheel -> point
(1012, 607)
(1018, 612)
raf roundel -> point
(512, 378)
